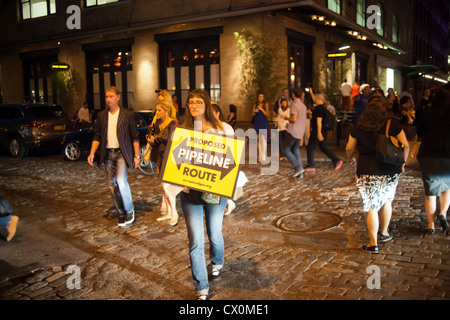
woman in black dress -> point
(434, 157)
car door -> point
(11, 119)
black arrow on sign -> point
(184, 145)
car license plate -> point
(58, 128)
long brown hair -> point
(374, 116)
(209, 116)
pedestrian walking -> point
(195, 208)
(115, 133)
(319, 134)
(283, 112)
(159, 135)
(434, 157)
(377, 182)
(295, 131)
(7, 219)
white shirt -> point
(346, 89)
(113, 142)
(282, 124)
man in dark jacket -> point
(116, 134)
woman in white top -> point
(283, 112)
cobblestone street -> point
(287, 239)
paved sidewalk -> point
(269, 252)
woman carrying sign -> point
(200, 113)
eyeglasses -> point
(198, 103)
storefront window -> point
(110, 67)
(190, 63)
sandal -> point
(370, 249)
(429, 231)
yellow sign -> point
(204, 162)
(338, 55)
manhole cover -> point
(308, 221)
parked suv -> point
(24, 127)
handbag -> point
(389, 150)
(5, 207)
(201, 198)
(414, 147)
(209, 198)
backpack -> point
(330, 120)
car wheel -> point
(72, 151)
(17, 148)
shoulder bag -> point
(389, 150)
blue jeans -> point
(117, 174)
(194, 222)
(291, 148)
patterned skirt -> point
(376, 190)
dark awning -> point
(416, 69)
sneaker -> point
(216, 274)
(129, 218)
(122, 221)
(12, 227)
(338, 165)
(298, 173)
(387, 238)
(310, 169)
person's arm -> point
(292, 118)
(313, 97)
(403, 140)
(319, 129)
(137, 158)
(350, 150)
(94, 147)
(95, 142)
(265, 110)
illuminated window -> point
(37, 8)
(380, 30)
(361, 12)
(91, 3)
(394, 29)
(334, 5)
